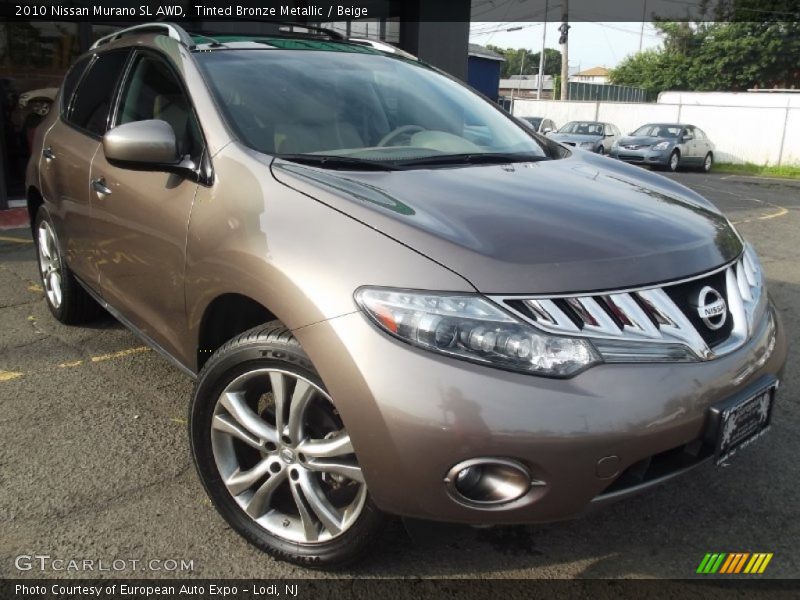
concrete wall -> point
(762, 128)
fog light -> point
(489, 481)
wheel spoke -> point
(260, 501)
(348, 469)
(336, 446)
(240, 481)
(44, 242)
(309, 526)
(227, 424)
(322, 508)
(279, 397)
(303, 393)
(236, 406)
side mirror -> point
(546, 130)
(687, 137)
(144, 144)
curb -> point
(13, 218)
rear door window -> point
(95, 93)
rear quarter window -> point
(70, 81)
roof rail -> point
(331, 33)
(383, 47)
(174, 31)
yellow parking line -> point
(8, 238)
(9, 375)
(70, 364)
(778, 213)
(120, 354)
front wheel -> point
(601, 150)
(674, 161)
(274, 455)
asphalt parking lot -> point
(94, 459)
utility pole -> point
(564, 42)
(644, 16)
(541, 56)
(521, 67)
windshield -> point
(357, 106)
(582, 128)
(667, 131)
(535, 121)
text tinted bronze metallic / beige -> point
(394, 299)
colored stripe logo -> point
(734, 563)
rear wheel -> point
(66, 299)
(601, 150)
(274, 455)
(708, 162)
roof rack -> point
(174, 31)
(329, 32)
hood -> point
(584, 223)
(576, 138)
(643, 140)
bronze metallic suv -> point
(393, 297)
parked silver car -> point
(589, 135)
(538, 124)
(666, 145)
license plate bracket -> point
(741, 420)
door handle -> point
(48, 154)
(99, 186)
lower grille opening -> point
(661, 465)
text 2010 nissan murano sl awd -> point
(394, 298)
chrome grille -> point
(650, 316)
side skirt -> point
(138, 332)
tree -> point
(719, 56)
(513, 56)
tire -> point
(601, 151)
(708, 162)
(674, 161)
(233, 385)
(67, 300)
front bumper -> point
(412, 415)
(645, 156)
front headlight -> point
(587, 145)
(474, 329)
(661, 146)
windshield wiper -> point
(329, 161)
(492, 158)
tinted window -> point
(152, 91)
(94, 94)
(71, 80)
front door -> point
(143, 216)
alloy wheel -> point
(673, 161)
(50, 264)
(285, 458)
(707, 163)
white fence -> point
(760, 128)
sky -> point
(590, 44)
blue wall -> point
(484, 75)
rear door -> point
(68, 149)
(143, 218)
